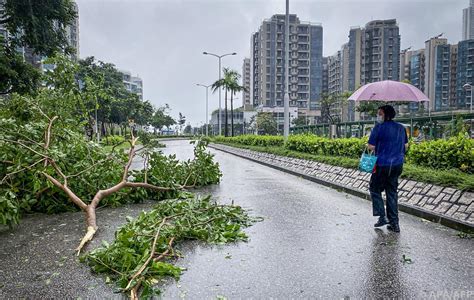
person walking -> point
(389, 141)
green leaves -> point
(188, 218)
(406, 259)
(454, 153)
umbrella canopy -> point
(389, 91)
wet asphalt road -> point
(315, 242)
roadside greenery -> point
(449, 177)
(455, 153)
(144, 250)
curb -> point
(419, 212)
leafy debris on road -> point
(144, 248)
(406, 259)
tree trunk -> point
(226, 133)
(232, 113)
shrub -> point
(112, 140)
(456, 152)
(252, 140)
(351, 147)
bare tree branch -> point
(74, 198)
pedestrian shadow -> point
(384, 275)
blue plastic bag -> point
(367, 162)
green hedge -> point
(252, 140)
(454, 153)
(350, 147)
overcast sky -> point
(162, 41)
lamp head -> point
(205, 53)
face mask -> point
(379, 119)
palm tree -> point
(226, 83)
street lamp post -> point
(286, 96)
(207, 105)
(220, 76)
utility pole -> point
(286, 97)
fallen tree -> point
(70, 163)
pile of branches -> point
(145, 248)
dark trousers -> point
(385, 179)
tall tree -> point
(300, 121)
(39, 24)
(235, 87)
(168, 121)
(226, 82)
(181, 121)
(266, 123)
(329, 102)
(16, 75)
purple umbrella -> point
(389, 91)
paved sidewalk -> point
(448, 206)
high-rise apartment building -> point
(372, 54)
(305, 64)
(246, 103)
(335, 73)
(132, 84)
(405, 65)
(3, 30)
(453, 66)
(72, 32)
(468, 22)
(355, 58)
(325, 79)
(465, 72)
(441, 79)
(417, 68)
(380, 51)
(431, 61)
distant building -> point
(278, 113)
(465, 72)
(417, 68)
(405, 64)
(305, 64)
(355, 58)
(132, 84)
(468, 22)
(380, 51)
(371, 54)
(325, 79)
(242, 120)
(431, 61)
(3, 30)
(72, 32)
(246, 100)
(335, 73)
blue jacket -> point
(389, 139)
